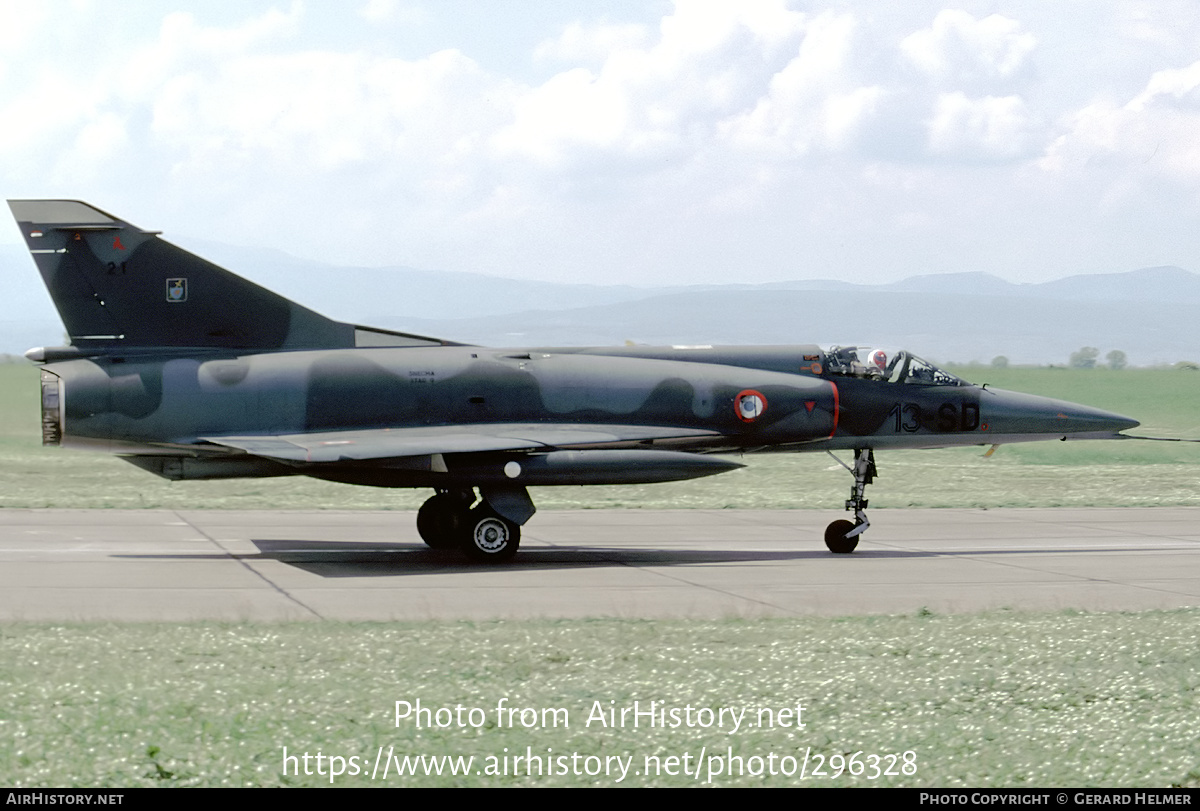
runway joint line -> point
(243, 562)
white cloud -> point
(377, 11)
(393, 11)
(183, 44)
(217, 97)
(698, 29)
(19, 24)
(1148, 140)
(36, 115)
(315, 113)
(182, 36)
(100, 140)
(594, 43)
(72, 109)
(813, 102)
(573, 109)
(648, 97)
(985, 128)
(1179, 88)
(957, 48)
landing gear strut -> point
(842, 536)
(448, 521)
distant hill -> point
(944, 327)
(1149, 314)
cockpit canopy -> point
(894, 366)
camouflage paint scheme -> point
(191, 372)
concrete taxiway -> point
(210, 565)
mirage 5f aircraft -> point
(191, 372)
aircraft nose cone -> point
(1028, 414)
(1082, 419)
(1125, 423)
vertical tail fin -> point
(116, 285)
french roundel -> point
(749, 405)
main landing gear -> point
(449, 521)
(842, 536)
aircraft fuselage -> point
(722, 399)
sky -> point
(646, 143)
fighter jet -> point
(189, 371)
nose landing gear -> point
(841, 536)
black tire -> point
(489, 538)
(836, 540)
(441, 521)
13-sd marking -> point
(907, 417)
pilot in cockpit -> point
(877, 363)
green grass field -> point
(1043, 474)
(998, 700)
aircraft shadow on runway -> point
(349, 559)
(362, 559)
(333, 559)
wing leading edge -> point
(395, 443)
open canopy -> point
(893, 365)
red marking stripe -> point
(836, 407)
